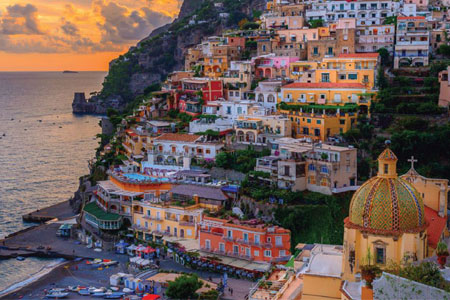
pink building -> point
(269, 66)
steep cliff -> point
(163, 50)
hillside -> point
(163, 51)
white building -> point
(365, 12)
(266, 94)
(371, 38)
(173, 152)
(235, 109)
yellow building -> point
(319, 122)
(260, 130)
(135, 140)
(215, 66)
(349, 68)
(175, 215)
(386, 218)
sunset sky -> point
(55, 35)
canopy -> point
(148, 250)
(121, 244)
(151, 297)
(131, 247)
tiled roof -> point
(178, 137)
(436, 227)
(358, 55)
(323, 85)
(201, 191)
(411, 18)
(387, 154)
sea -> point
(44, 149)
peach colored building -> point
(247, 240)
(444, 94)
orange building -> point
(249, 240)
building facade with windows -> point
(245, 240)
(261, 130)
(297, 165)
(412, 44)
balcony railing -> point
(186, 223)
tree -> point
(209, 295)
(315, 23)
(184, 287)
(222, 160)
(444, 50)
(384, 54)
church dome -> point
(387, 204)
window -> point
(256, 239)
(235, 249)
(342, 76)
(330, 51)
(366, 78)
(189, 232)
(325, 77)
(286, 170)
(342, 121)
(256, 253)
(228, 110)
(247, 252)
(282, 253)
(271, 99)
(148, 212)
(267, 253)
(308, 121)
(146, 224)
(319, 122)
(278, 241)
(386, 168)
(208, 151)
(380, 254)
(324, 169)
(315, 50)
(311, 167)
(221, 247)
(230, 234)
(353, 76)
(246, 237)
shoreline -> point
(37, 278)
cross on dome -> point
(412, 160)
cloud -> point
(69, 28)
(20, 19)
(122, 25)
(80, 26)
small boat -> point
(57, 295)
(99, 294)
(114, 295)
(20, 258)
(84, 292)
(127, 290)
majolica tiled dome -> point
(386, 203)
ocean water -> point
(44, 148)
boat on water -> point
(114, 295)
(57, 295)
(20, 258)
(69, 72)
(84, 292)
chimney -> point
(195, 197)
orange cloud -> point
(79, 31)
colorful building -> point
(329, 93)
(211, 90)
(297, 165)
(412, 44)
(173, 152)
(247, 240)
(260, 130)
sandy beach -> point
(69, 273)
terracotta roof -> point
(436, 227)
(206, 192)
(324, 85)
(411, 18)
(358, 55)
(178, 137)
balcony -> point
(187, 223)
(211, 232)
(140, 228)
(153, 218)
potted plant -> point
(442, 253)
(369, 271)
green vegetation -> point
(315, 23)
(118, 79)
(427, 273)
(240, 160)
(184, 287)
(319, 219)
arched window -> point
(261, 98)
(270, 98)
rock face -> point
(163, 51)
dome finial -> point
(387, 143)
